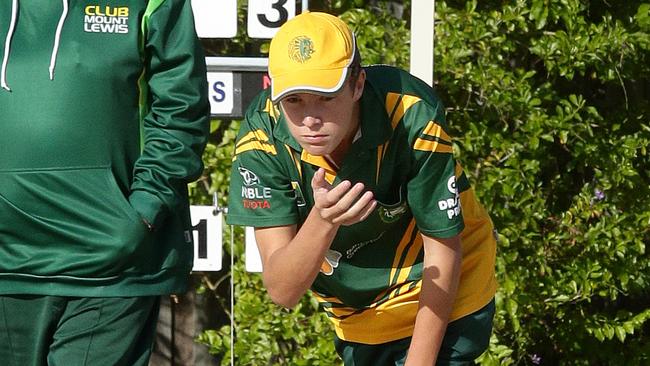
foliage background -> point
(549, 103)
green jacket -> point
(103, 119)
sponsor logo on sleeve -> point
(451, 205)
(254, 195)
(106, 19)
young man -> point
(348, 177)
(103, 120)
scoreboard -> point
(218, 18)
(234, 81)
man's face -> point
(324, 125)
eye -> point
(327, 99)
(291, 99)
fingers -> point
(343, 195)
(359, 211)
(318, 182)
(346, 200)
(343, 204)
(364, 212)
(325, 195)
(346, 204)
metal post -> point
(422, 30)
(232, 296)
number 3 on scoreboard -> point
(265, 17)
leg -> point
(385, 354)
(105, 331)
(467, 338)
(27, 324)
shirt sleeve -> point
(432, 193)
(261, 192)
(176, 121)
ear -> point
(359, 84)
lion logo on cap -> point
(301, 48)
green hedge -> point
(549, 102)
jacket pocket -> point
(74, 222)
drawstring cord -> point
(57, 37)
(5, 58)
(10, 32)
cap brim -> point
(323, 82)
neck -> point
(332, 163)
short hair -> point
(355, 67)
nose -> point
(311, 121)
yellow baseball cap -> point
(310, 53)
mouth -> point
(315, 139)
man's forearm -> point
(439, 286)
(291, 269)
(292, 259)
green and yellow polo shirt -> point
(370, 280)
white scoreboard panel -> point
(265, 17)
(215, 18)
(207, 235)
(218, 18)
(253, 258)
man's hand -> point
(345, 204)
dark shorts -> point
(465, 339)
(53, 330)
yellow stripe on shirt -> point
(433, 139)
(433, 146)
(399, 252)
(398, 107)
(255, 140)
(435, 130)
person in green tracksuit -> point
(348, 176)
(104, 116)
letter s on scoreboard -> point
(221, 92)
